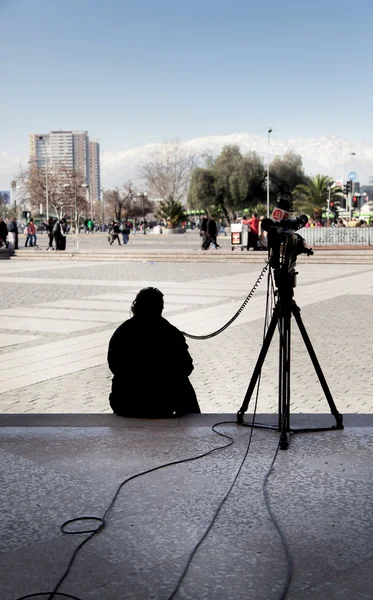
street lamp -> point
(269, 133)
(102, 190)
(68, 185)
(41, 138)
(89, 199)
(343, 166)
(143, 196)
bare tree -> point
(167, 171)
(65, 188)
(124, 202)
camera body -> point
(284, 244)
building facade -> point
(94, 171)
(73, 150)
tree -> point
(172, 211)
(124, 202)
(232, 182)
(312, 197)
(167, 171)
(65, 189)
(285, 173)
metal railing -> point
(337, 236)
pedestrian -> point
(13, 234)
(3, 233)
(115, 231)
(222, 229)
(210, 235)
(59, 234)
(125, 229)
(49, 229)
(254, 232)
(165, 354)
(30, 234)
(203, 231)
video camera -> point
(284, 245)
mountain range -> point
(327, 155)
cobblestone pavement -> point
(58, 318)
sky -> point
(138, 71)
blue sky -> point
(138, 71)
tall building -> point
(71, 149)
(94, 171)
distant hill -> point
(320, 155)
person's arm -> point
(183, 360)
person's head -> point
(148, 303)
(31, 220)
(14, 219)
(255, 215)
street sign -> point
(352, 176)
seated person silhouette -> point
(151, 364)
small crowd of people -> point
(56, 229)
(116, 229)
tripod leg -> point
(259, 364)
(333, 409)
(284, 375)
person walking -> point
(13, 234)
(211, 235)
(203, 232)
(254, 232)
(125, 228)
(115, 231)
(3, 233)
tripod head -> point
(284, 244)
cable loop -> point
(235, 316)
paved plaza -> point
(57, 320)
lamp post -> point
(343, 166)
(102, 191)
(88, 198)
(68, 185)
(41, 138)
(143, 196)
(269, 133)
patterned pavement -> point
(57, 319)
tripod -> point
(284, 309)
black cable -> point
(237, 314)
(102, 520)
(225, 498)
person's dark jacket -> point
(3, 231)
(204, 224)
(151, 365)
(116, 229)
(211, 227)
(13, 227)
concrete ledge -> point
(204, 420)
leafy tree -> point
(172, 211)
(285, 173)
(312, 197)
(202, 192)
(229, 183)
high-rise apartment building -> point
(71, 149)
(94, 170)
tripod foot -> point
(240, 416)
(339, 421)
(284, 441)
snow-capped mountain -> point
(320, 155)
